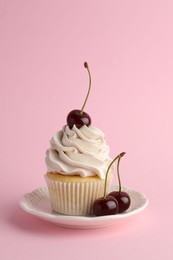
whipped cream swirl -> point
(76, 151)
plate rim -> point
(56, 216)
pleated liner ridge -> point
(74, 198)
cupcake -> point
(77, 161)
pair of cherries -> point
(116, 201)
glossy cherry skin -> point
(105, 206)
(75, 118)
(123, 200)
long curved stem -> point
(118, 173)
(84, 104)
(106, 179)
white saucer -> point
(37, 203)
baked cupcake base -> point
(74, 195)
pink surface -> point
(128, 45)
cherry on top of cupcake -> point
(79, 117)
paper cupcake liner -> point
(74, 198)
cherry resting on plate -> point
(79, 117)
(122, 197)
(123, 200)
(106, 205)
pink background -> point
(129, 47)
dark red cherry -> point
(123, 200)
(79, 117)
(76, 118)
(105, 206)
(122, 197)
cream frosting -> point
(76, 151)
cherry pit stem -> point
(84, 104)
(106, 179)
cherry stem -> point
(84, 104)
(106, 179)
(118, 173)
